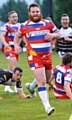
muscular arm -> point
(51, 36)
(54, 32)
(57, 35)
(17, 39)
(67, 89)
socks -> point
(44, 97)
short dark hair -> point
(67, 58)
(64, 15)
(18, 68)
(34, 5)
(11, 12)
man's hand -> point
(50, 36)
(28, 96)
(18, 49)
(50, 87)
(67, 39)
(6, 45)
(22, 94)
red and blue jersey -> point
(10, 31)
(34, 34)
(61, 74)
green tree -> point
(22, 10)
(47, 8)
(20, 6)
(60, 7)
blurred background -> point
(50, 8)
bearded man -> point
(38, 34)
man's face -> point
(35, 14)
(17, 75)
(13, 18)
(65, 21)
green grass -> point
(12, 107)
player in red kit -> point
(7, 33)
(38, 33)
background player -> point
(7, 34)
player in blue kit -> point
(63, 79)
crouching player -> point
(13, 78)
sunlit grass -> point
(12, 107)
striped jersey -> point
(61, 74)
(34, 34)
(10, 31)
(63, 45)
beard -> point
(37, 19)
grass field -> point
(12, 107)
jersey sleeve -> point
(4, 28)
(53, 26)
(21, 28)
(68, 76)
(19, 84)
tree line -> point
(57, 8)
